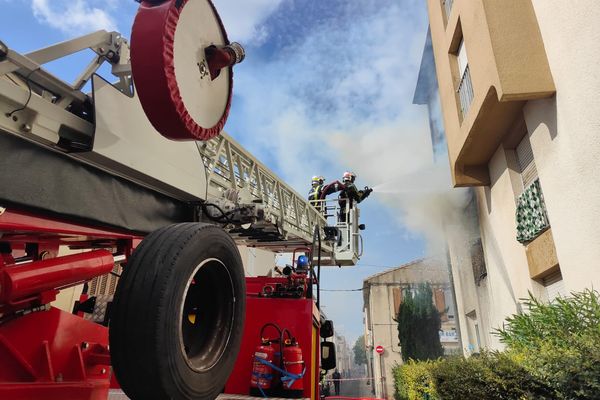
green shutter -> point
(531, 213)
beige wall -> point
(384, 333)
(565, 136)
(380, 327)
(508, 273)
(564, 132)
(470, 298)
(508, 65)
(257, 262)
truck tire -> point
(178, 313)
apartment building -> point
(519, 92)
(463, 247)
(382, 297)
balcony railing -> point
(447, 7)
(465, 92)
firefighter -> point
(319, 191)
(350, 194)
(314, 195)
(336, 382)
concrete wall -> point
(565, 136)
(470, 298)
(380, 327)
(507, 66)
(564, 132)
(508, 273)
(384, 332)
(257, 262)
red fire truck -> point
(132, 176)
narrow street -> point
(353, 388)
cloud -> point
(76, 16)
(244, 19)
(340, 98)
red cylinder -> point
(36, 277)
(262, 374)
(293, 365)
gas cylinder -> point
(264, 377)
(294, 366)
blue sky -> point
(327, 86)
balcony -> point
(465, 92)
(507, 66)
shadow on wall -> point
(544, 113)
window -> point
(478, 262)
(440, 303)
(447, 8)
(526, 163)
(532, 219)
(465, 86)
(397, 293)
(554, 285)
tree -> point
(419, 323)
(360, 354)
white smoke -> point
(341, 98)
(400, 164)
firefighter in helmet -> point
(315, 190)
(319, 191)
(350, 194)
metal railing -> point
(230, 166)
(348, 244)
(465, 92)
(448, 7)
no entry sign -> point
(379, 349)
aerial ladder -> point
(136, 171)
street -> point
(353, 388)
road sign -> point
(379, 349)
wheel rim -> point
(206, 315)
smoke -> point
(406, 178)
(338, 97)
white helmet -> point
(349, 177)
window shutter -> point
(462, 59)
(440, 303)
(525, 157)
(397, 293)
(555, 286)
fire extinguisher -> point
(293, 365)
(264, 378)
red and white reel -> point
(182, 63)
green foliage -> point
(419, 324)
(413, 381)
(491, 376)
(360, 353)
(560, 343)
(553, 352)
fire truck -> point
(129, 173)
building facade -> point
(518, 88)
(463, 246)
(344, 356)
(382, 295)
